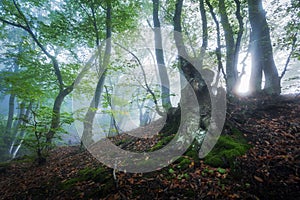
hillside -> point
(268, 170)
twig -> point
(145, 79)
(114, 174)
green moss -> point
(226, 150)
(214, 160)
(183, 163)
(192, 151)
(4, 164)
(99, 175)
(160, 144)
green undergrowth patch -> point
(162, 142)
(183, 162)
(99, 175)
(227, 149)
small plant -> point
(37, 128)
(221, 170)
(171, 171)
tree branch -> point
(290, 55)
(145, 78)
(13, 24)
(178, 30)
(33, 36)
(218, 49)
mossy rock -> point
(226, 150)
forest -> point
(137, 99)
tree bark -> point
(192, 75)
(261, 51)
(231, 68)
(55, 121)
(87, 135)
(11, 109)
(163, 74)
(22, 119)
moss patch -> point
(183, 163)
(161, 143)
(226, 150)
(99, 175)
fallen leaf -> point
(258, 179)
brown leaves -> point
(269, 170)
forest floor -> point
(268, 170)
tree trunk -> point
(11, 109)
(91, 112)
(190, 72)
(55, 121)
(261, 51)
(218, 49)
(231, 68)
(20, 134)
(163, 74)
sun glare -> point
(243, 87)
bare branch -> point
(145, 78)
(290, 55)
(218, 49)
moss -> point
(192, 151)
(226, 150)
(215, 161)
(160, 144)
(99, 175)
(183, 163)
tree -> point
(261, 51)
(111, 22)
(233, 33)
(163, 74)
(38, 34)
(231, 70)
(190, 72)
(103, 64)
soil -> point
(269, 169)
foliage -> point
(37, 127)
